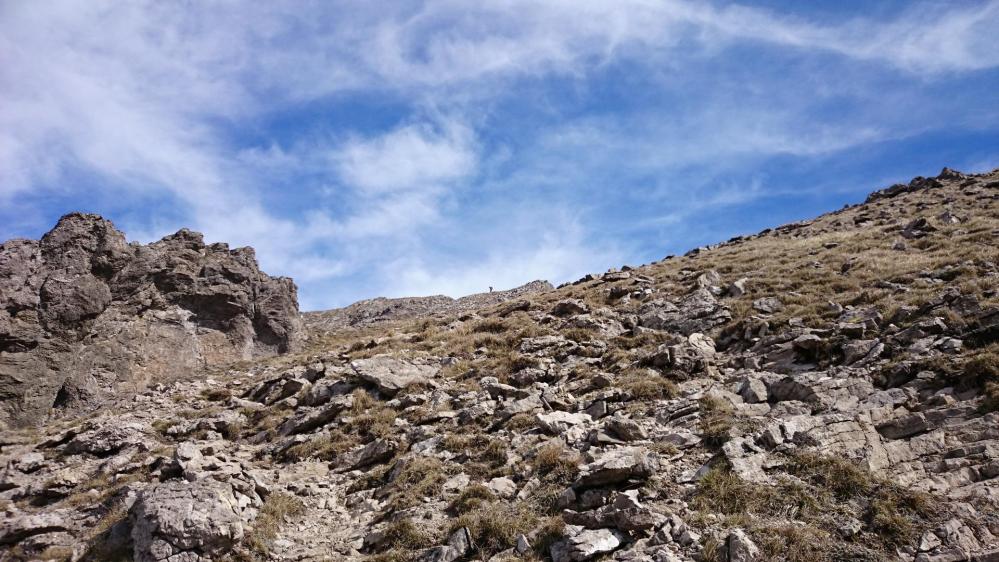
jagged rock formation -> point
(84, 314)
(822, 391)
(381, 309)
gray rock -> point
(625, 513)
(185, 522)
(741, 548)
(738, 288)
(697, 312)
(618, 465)
(391, 375)
(308, 419)
(582, 545)
(692, 355)
(377, 451)
(459, 544)
(768, 305)
(626, 429)
(22, 526)
(558, 422)
(570, 307)
(861, 351)
(86, 315)
(105, 440)
(710, 281)
(753, 390)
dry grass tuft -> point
(277, 506)
(648, 385)
(716, 421)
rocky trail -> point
(822, 391)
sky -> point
(441, 147)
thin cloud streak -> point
(158, 103)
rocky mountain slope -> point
(381, 309)
(84, 314)
(822, 391)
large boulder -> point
(180, 521)
(390, 374)
(84, 314)
(698, 311)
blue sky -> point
(406, 148)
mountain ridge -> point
(821, 391)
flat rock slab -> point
(584, 545)
(618, 465)
(391, 375)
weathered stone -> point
(308, 419)
(185, 521)
(459, 544)
(558, 422)
(753, 390)
(390, 375)
(570, 307)
(741, 548)
(625, 513)
(618, 465)
(737, 288)
(626, 429)
(768, 305)
(582, 545)
(87, 315)
(377, 451)
(105, 440)
(22, 526)
(697, 312)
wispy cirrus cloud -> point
(412, 157)
(341, 137)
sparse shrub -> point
(556, 463)
(647, 385)
(277, 506)
(897, 514)
(578, 335)
(491, 325)
(494, 526)
(495, 452)
(472, 497)
(521, 422)
(716, 421)
(404, 534)
(991, 400)
(162, 425)
(722, 491)
(418, 477)
(324, 448)
(641, 340)
(548, 532)
(518, 362)
(216, 394)
(102, 545)
(794, 543)
(362, 400)
(712, 550)
(843, 478)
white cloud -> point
(412, 157)
(144, 95)
(558, 252)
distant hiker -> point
(490, 288)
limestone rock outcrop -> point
(84, 313)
